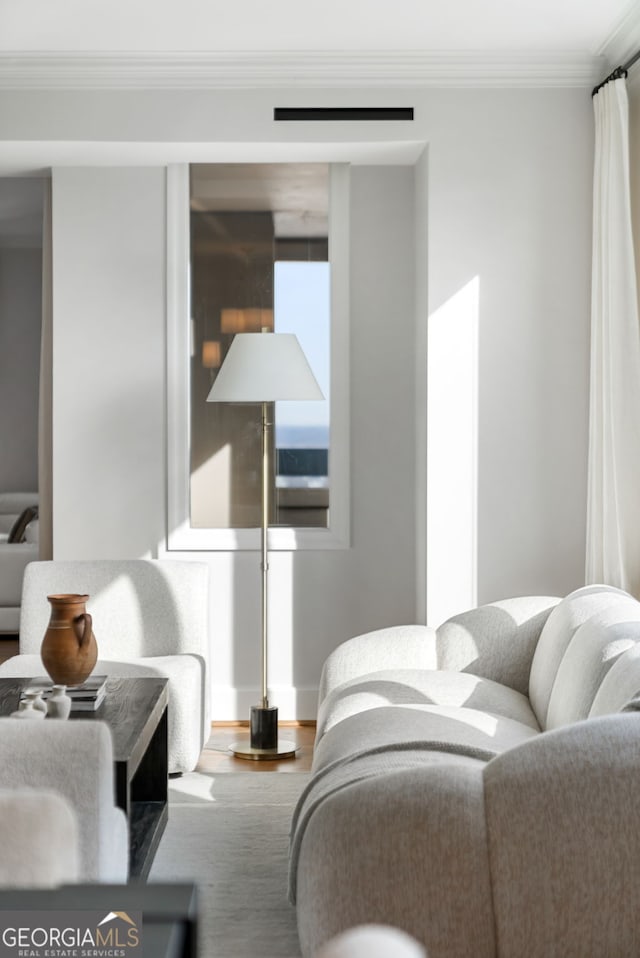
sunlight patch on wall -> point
(211, 486)
(452, 452)
(280, 625)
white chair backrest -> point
(140, 607)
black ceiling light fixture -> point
(350, 113)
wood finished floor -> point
(216, 756)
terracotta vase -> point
(69, 651)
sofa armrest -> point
(496, 641)
(561, 810)
(398, 647)
(397, 849)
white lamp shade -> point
(264, 367)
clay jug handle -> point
(86, 632)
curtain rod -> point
(618, 73)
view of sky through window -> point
(302, 306)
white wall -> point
(20, 320)
(108, 362)
(506, 185)
(510, 208)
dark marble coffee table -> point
(136, 711)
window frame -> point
(181, 536)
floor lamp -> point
(263, 368)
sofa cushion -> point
(423, 687)
(555, 637)
(450, 729)
(620, 687)
(496, 640)
(398, 647)
(594, 649)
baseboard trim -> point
(244, 723)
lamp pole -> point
(263, 738)
(264, 546)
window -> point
(249, 248)
(302, 306)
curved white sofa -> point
(478, 785)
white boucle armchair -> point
(39, 838)
(150, 618)
(74, 760)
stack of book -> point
(86, 697)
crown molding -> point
(623, 41)
(115, 71)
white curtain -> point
(613, 497)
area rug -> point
(229, 833)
